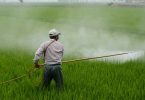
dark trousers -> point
(52, 72)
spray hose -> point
(68, 61)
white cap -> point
(53, 32)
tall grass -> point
(87, 80)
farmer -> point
(53, 53)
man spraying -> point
(53, 53)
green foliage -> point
(86, 80)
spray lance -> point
(98, 57)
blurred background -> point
(89, 27)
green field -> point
(23, 28)
(87, 80)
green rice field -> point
(84, 29)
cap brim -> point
(55, 34)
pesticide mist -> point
(86, 31)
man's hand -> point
(37, 65)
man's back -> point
(54, 52)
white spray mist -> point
(81, 39)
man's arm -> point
(38, 55)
